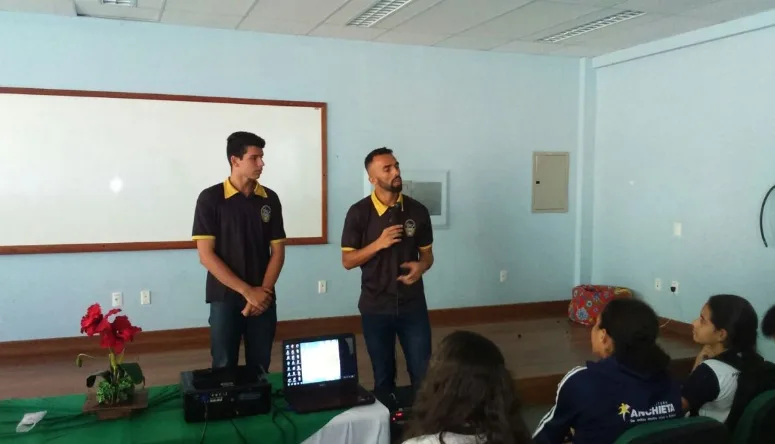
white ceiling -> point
(487, 25)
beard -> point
(395, 187)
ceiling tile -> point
(408, 11)
(579, 51)
(225, 7)
(597, 15)
(403, 38)
(58, 7)
(275, 26)
(663, 6)
(304, 11)
(477, 43)
(725, 10)
(346, 32)
(529, 19)
(528, 47)
(662, 28)
(602, 3)
(201, 19)
(453, 16)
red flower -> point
(124, 329)
(114, 334)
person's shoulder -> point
(361, 206)
(270, 193)
(414, 203)
(212, 193)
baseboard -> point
(199, 337)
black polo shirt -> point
(381, 292)
(243, 227)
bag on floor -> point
(588, 301)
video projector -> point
(214, 394)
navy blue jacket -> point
(604, 399)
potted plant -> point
(115, 395)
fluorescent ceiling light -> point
(377, 12)
(592, 26)
(120, 2)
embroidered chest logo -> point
(266, 213)
(410, 227)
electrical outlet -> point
(504, 275)
(145, 297)
(118, 299)
(674, 287)
(677, 229)
(321, 287)
(658, 284)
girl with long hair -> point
(629, 385)
(727, 329)
(467, 397)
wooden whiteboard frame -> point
(173, 245)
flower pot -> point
(138, 401)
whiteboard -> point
(98, 171)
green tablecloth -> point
(161, 422)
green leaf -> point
(134, 371)
(79, 359)
(93, 377)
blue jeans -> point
(228, 327)
(414, 334)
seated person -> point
(727, 329)
(628, 386)
(467, 397)
(768, 323)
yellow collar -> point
(229, 190)
(380, 207)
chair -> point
(755, 424)
(693, 430)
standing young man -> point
(389, 236)
(239, 233)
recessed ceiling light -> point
(592, 26)
(377, 12)
(120, 2)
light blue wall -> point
(688, 136)
(479, 115)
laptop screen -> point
(319, 360)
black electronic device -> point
(399, 404)
(215, 394)
(321, 373)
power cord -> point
(204, 430)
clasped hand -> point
(416, 269)
(258, 301)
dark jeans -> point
(414, 334)
(228, 327)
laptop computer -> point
(321, 373)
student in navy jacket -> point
(628, 386)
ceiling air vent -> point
(592, 26)
(119, 2)
(377, 12)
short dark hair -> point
(768, 323)
(633, 326)
(237, 144)
(374, 153)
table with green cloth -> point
(163, 422)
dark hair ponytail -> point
(737, 316)
(633, 326)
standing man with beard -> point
(239, 233)
(389, 236)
